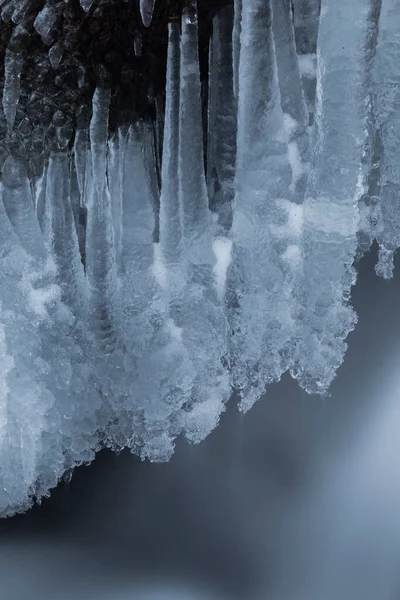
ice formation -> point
(144, 275)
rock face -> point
(53, 54)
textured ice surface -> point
(386, 107)
(146, 11)
(260, 276)
(136, 292)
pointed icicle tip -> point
(189, 12)
(86, 4)
(146, 11)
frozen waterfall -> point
(149, 269)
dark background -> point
(297, 500)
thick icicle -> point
(292, 96)
(264, 221)
(146, 11)
(170, 214)
(222, 118)
(387, 118)
(18, 202)
(13, 63)
(192, 184)
(137, 210)
(100, 257)
(331, 217)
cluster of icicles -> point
(133, 327)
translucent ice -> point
(259, 275)
(323, 315)
(146, 11)
(147, 270)
(13, 64)
(386, 104)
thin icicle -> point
(18, 202)
(170, 213)
(292, 96)
(116, 152)
(13, 63)
(222, 118)
(369, 205)
(192, 183)
(237, 25)
(20, 10)
(81, 146)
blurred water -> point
(297, 500)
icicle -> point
(100, 256)
(263, 220)
(331, 217)
(386, 104)
(146, 11)
(192, 185)
(40, 196)
(7, 10)
(222, 118)
(18, 202)
(81, 146)
(369, 204)
(170, 214)
(306, 22)
(81, 158)
(13, 64)
(61, 233)
(98, 138)
(237, 25)
(137, 209)
(159, 135)
(292, 97)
